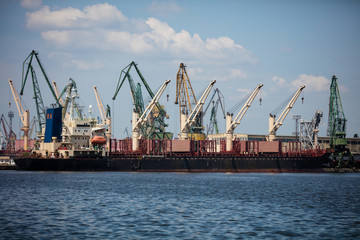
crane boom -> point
(274, 126)
(57, 92)
(231, 123)
(191, 119)
(139, 121)
(151, 105)
(213, 120)
(24, 114)
(156, 126)
(236, 121)
(100, 105)
(105, 117)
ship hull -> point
(177, 164)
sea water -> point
(115, 205)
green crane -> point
(337, 121)
(68, 88)
(40, 109)
(337, 127)
(156, 127)
(213, 125)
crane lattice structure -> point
(337, 129)
(40, 108)
(155, 128)
(10, 136)
(309, 131)
(187, 101)
(213, 125)
(337, 121)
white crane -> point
(231, 123)
(274, 126)
(137, 121)
(188, 121)
(24, 114)
(106, 119)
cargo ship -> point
(84, 145)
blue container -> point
(53, 126)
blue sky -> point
(282, 44)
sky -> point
(282, 44)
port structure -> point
(71, 96)
(155, 128)
(232, 123)
(190, 109)
(138, 120)
(24, 114)
(105, 117)
(309, 131)
(10, 136)
(274, 126)
(336, 120)
(213, 125)
(40, 109)
(337, 128)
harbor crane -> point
(336, 120)
(105, 117)
(57, 92)
(274, 126)
(187, 101)
(337, 128)
(309, 131)
(213, 125)
(231, 123)
(139, 121)
(188, 121)
(156, 128)
(24, 114)
(40, 109)
(68, 89)
(10, 136)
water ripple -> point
(48, 205)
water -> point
(113, 205)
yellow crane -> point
(24, 114)
(190, 109)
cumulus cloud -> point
(312, 83)
(92, 16)
(103, 26)
(32, 4)
(279, 81)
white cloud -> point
(128, 42)
(312, 83)
(32, 4)
(92, 16)
(93, 28)
(279, 81)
